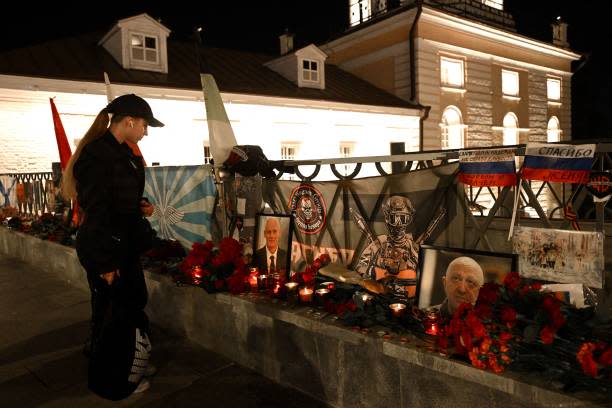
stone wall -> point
(308, 350)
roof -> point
(80, 58)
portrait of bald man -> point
(272, 257)
(462, 282)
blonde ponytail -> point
(97, 130)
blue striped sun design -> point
(184, 199)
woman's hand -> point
(146, 208)
(109, 277)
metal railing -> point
(35, 192)
(542, 201)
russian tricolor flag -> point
(487, 168)
(558, 162)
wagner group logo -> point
(307, 204)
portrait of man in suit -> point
(271, 257)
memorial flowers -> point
(215, 268)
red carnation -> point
(316, 265)
(508, 314)
(483, 311)
(585, 358)
(606, 358)
(512, 280)
(488, 293)
(547, 334)
(505, 336)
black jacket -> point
(110, 183)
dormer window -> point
(310, 70)
(144, 48)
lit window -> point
(553, 133)
(452, 129)
(496, 4)
(451, 72)
(511, 133)
(346, 150)
(144, 48)
(310, 70)
(207, 155)
(359, 11)
(510, 82)
(553, 88)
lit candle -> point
(196, 274)
(322, 295)
(291, 291)
(306, 295)
(397, 309)
(367, 298)
(431, 323)
(262, 282)
(253, 279)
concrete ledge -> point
(307, 349)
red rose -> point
(536, 286)
(585, 358)
(316, 265)
(488, 293)
(547, 335)
(606, 358)
(505, 336)
(512, 281)
(308, 278)
(508, 314)
(484, 311)
(475, 325)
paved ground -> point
(43, 323)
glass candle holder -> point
(262, 282)
(322, 295)
(253, 274)
(291, 289)
(397, 309)
(431, 323)
(306, 295)
(196, 275)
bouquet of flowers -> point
(308, 276)
(518, 325)
(215, 268)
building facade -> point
(296, 106)
(483, 83)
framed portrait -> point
(272, 243)
(448, 277)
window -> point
(553, 133)
(289, 151)
(207, 155)
(510, 83)
(310, 70)
(144, 48)
(452, 129)
(346, 150)
(359, 11)
(451, 72)
(553, 88)
(496, 4)
(511, 132)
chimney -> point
(559, 28)
(286, 42)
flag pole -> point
(209, 97)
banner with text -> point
(487, 168)
(558, 162)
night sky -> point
(251, 26)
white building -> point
(297, 106)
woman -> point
(107, 180)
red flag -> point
(60, 136)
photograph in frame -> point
(451, 276)
(272, 243)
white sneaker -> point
(142, 387)
(150, 371)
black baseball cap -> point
(133, 105)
